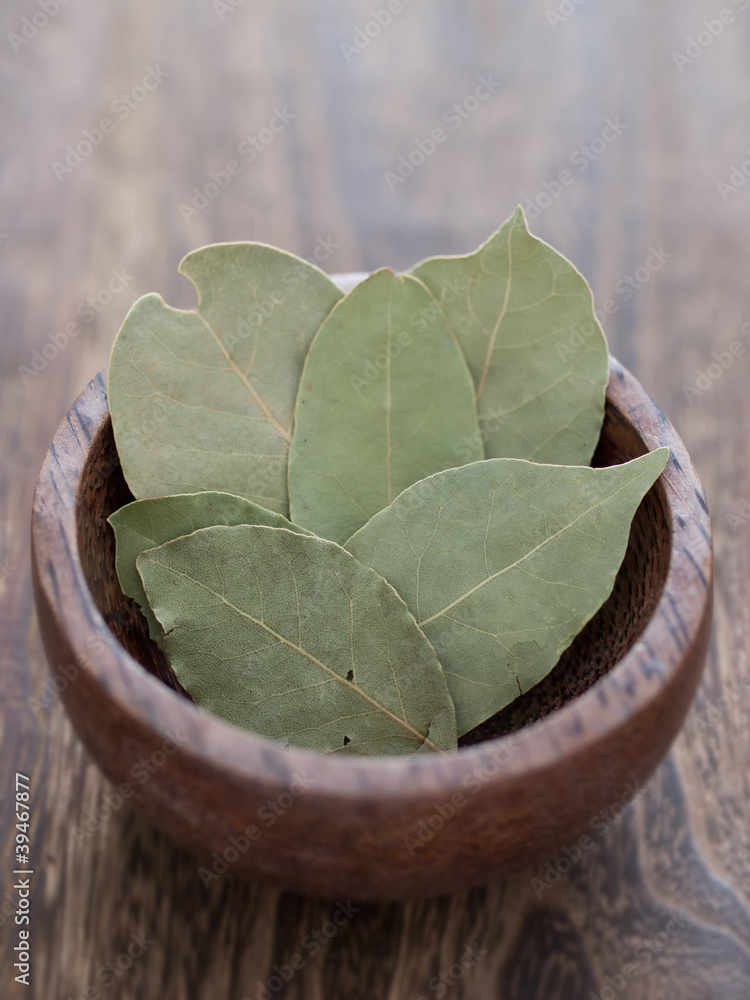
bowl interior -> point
(603, 642)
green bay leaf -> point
(145, 524)
(525, 319)
(289, 636)
(503, 562)
(205, 400)
(380, 406)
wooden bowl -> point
(525, 784)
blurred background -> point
(132, 134)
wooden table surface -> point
(594, 89)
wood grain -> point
(685, 844)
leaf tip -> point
(519, 218)
(665, 453)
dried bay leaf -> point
(289, 636)
(525, 319)
(145, 524)
(380, 406)
(204, 400)
(503, 562)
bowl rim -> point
(244, 757)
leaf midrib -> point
(523, 558)
(501, 317)
(298, 649)
(257, 398)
